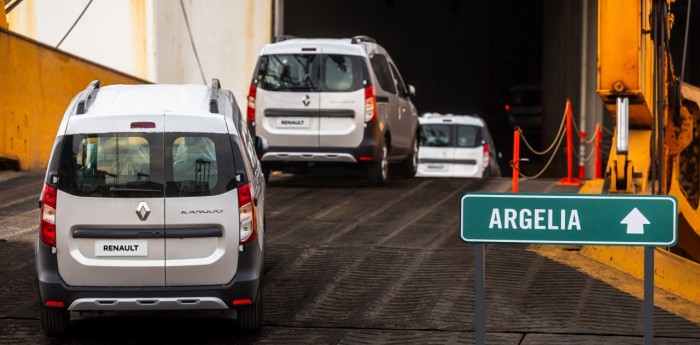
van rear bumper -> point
(280, 156)
(206, 297)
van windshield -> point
(131, 165)
(310, 72)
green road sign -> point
(578, 219)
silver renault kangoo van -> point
(154, 199)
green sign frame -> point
(574, 219)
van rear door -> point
(110, 206)
(437, 152)
(469, 151)
(201, 203)
(342, 100)
(287, 99)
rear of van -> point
(309, 99)
(146, 205)
(455, 146)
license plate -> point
(121, 248)
(436, 167)
(293, 122)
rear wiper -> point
(122, 189)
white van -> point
(333, 102)
(154, 199)
(456, 146)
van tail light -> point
(486, 156)
(51, 303)
(48, 216)
(246, 212)
(370, 104)
(242, 301)
(251, 104)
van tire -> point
(250, 317)
(55, 321)
(378, 171)
(409, 167)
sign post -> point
(573, 219)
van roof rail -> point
(214, 96)
(282, 38)
(88, 97)
(362, 38)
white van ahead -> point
(456, 146)
(333, 102)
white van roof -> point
(121, 107)
(314, 46)
(151, 99)
(451, 118)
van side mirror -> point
(261, 146)
(411, 90)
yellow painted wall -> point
(38, 82)
(3, 18)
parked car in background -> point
(153, 199)
(333, 102)
(456, 146)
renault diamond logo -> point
(306, 100)
(142, 211)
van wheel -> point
(409, 167)
(378, 171)
(266, 173)
(250, 317)
(55, 321)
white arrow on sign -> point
(635, 221)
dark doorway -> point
(462, 56)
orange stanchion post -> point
(598, 173)
(516, 159)
(569, 180)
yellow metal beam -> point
(664, 298)
(639, 160)
(38, 84)
(672, 273)
(625, 57)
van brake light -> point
(246, 211)
(251, 104)
(486, 156)
(48, 216)
(370, 104)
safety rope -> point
(606, 130)
(578, 133)
(590, 154)
(549, 162)
(559, 135)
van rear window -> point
(310, 72)
(139, 165)
(440, 135)
(436, 135)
